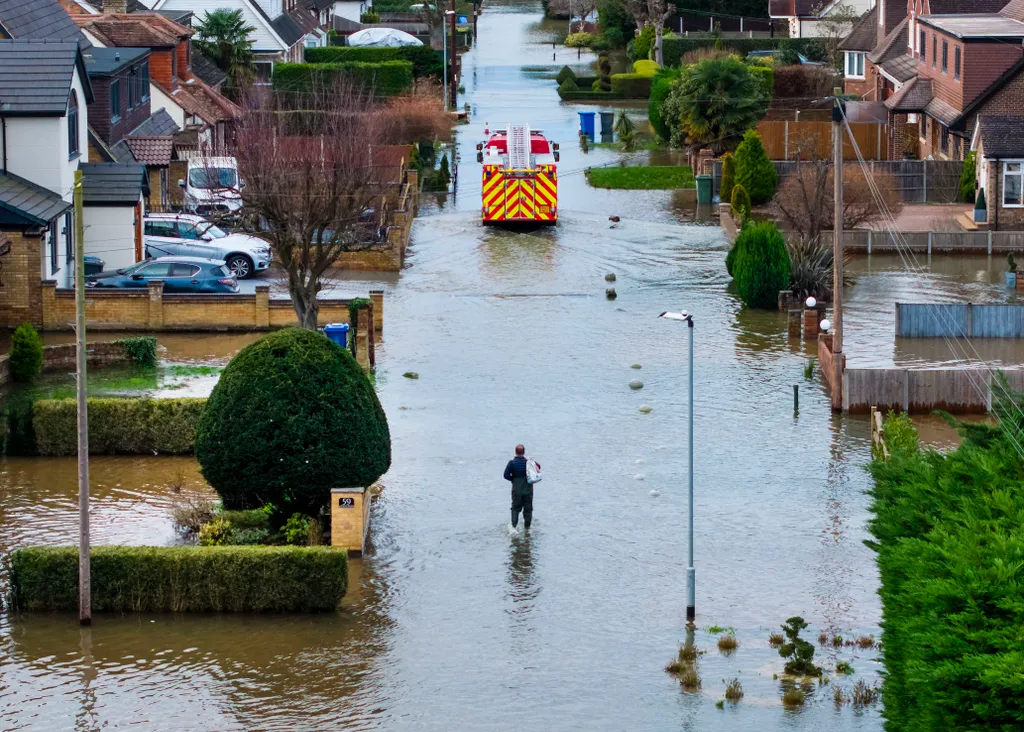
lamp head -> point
(825, 325)
(811, 302)
(675, 316)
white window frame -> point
(854, 60)
(1019, 174)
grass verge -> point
(640, 178)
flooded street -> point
(451, 624)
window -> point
(945, 57)
(935, 49)
(157, 269)
(174, 64)
(54, 267)
(73, 136)
(145, 80)
(133, 89)
(183, 270)
(161, 228)
(69, 239)
(115, 100)
(855, 65)
(1012, 184)
(944, 140)
(924, 46)
(956, 63)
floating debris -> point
(636, 384)
(610, 277)
(639, 461)
(645, 409)
(635, 366)
(411, 375)
(654, 493)
(610, 293)
(638, 476)
(616, 219)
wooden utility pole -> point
(837, 254)
(452, 58)
(84, 574)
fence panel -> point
(866, 388)
(785, 140)
(917, 320)
(1007, 241)
(958, 391)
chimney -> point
(115, 6)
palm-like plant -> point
(224, 36)
(713, 103)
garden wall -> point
(63, 357)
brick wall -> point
(1003, 219)
(99, 111)
(151, 310)
(63, 357)
(20, 290)
(944, 86)
(160, 65)
(350, 518)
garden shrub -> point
(612, 38)
(569, 85)
(631, 86)
(19, 433)
(265, 579)
(296, 530)
(979, 202)
(949, 540)
(565, 73)
(967, 178)
(125, 426)
(761, 266)
(661, 86)
(739, 201)
(26, 357)
(730, 260)
(800, 82)
(754, 171)
(141, 349)
(579, 40)
(645, 67)
(673, 49)
(765, 76)
(387, 78)
(616, 21)
(425, 60)
(292, 416)
(643, 44)
(369, 17)
(728, 177)
(604, 67)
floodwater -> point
(450, 623)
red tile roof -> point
(138, 30)
(198, 99)
(151, 150)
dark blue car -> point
(179, 274)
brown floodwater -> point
(450, 623)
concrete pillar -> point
(811, 319)
(350, 518)
(377, 296)
(156, 304)
(363, 337)
(262, 314)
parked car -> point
(188, 235)
(212, 185)
(179, 274)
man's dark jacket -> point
(516, 472)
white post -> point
(84, 549)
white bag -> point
(532, 471)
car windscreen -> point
(207, 178)
(211, 231)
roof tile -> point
(35, 76)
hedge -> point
(673, 49)
(632, 86)
(949, 538)
(588, 95)
(645, 67)
(425, 60)
(388, 78)
(267, 579)
(118, 426)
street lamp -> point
(691, 574)
(444, 55)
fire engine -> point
(520, 184)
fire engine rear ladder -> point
(519, 147)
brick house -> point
(815, 18)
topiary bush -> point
(645, 67)
(740, 201)
(754, 171)
(631, 86)
(579, 40)
(661, 86)
(643, 44)
(569, 85)
(292, 416)
(728, 177)
(761, 267)
(565, 73)
(604, 67)
(26, 356)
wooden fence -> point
(784, 140)
(959, 320)
(958, 391)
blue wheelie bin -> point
(337, 332)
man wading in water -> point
(522, 488)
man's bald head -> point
(520, 450)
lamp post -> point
(449, 78)
(691, 574)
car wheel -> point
(241, 265)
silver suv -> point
(188, 235)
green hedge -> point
(118, 426)
(673, 49)
(588, 95)
(632, 86)
(425, 60)
(183, 578)
(950, 541)
(388, 78)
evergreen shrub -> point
(645, 67)
(761, 267)
(740, 202)
(967, 176)
(754, 171)
(385, 79)
(631, 86)
(141, 349)
(569, 85)
(265, 579)
(292, 416)
(661, 86)
(565, 73)
(425, 60)
(728, 177)
(26, 357)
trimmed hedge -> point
(645, 67)
(388, 78)
(765, 77)
(632, 86)
(425, 60)
(588, 95)
(673, 49)
(265, 579)
(661, 87)
(565, 73)
(26, 358)
(118, 426)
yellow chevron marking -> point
(493, 195)
(490, 184)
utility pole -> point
(451, 50)
(84, 574)
(837, 254)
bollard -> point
(350, 518)
(796, 399)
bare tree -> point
(639, 10)
(659, 11)
(835, 25)
(311, 188)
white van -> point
(212, 186)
